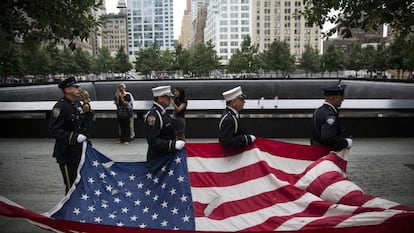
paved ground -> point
(29, 176)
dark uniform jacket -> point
(160, 132)
(65, 125)
(327, 128)
(231, 132)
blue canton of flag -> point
(153, 195)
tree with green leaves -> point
(121, 62)
(83, 61)
(204, 59)
(364, 14)
(244, 59)
(380, 59)
(182, 59)
(104, 62)
(310, 61)
(355, 59)
(69, 65)
(168, 60)
(278, 58)
(409, 55)
(36, 61)
(369, 55)
(401, 55)
(11, 61)
(56, 59)
(148, 60)
(35, 21)
(333, 60)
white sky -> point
(179, 7)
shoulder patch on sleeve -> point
(151, 120)
(330, 120)
(56, 112)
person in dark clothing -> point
(88, 116)
(160, 127)
(327, 127)
(65, 125)
(231, 132)
(123, 113)
(180, 105)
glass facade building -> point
(149, 22)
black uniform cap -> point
(334, 90)
(68, 82)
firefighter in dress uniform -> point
(327, 127)
(65, 125)
(160, 127)
(231, 132)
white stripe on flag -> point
(246, 220)
(237, 192)
(380, 203)
(231, 163)
(314, 173)
(368, 218)
(334, 192)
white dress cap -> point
(233, 94)
(161, 91)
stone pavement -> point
(382, 167)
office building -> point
(149, 22)
(229, 21)
(114, 31)
(186, 27)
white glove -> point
(253, 138)
(349, 141)
(81, 138)
(179, 144)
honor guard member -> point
(160, 127)
(327, 127)
(65, 125)
(231, 133)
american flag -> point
(267, 186)
(278, 186)
(136, 194)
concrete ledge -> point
(212, 89)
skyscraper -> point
(229, 21)
(275, 20)
(186, 27)
(115, 30)
(149, 22)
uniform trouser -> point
(180, 127)
(124, 126)
(69, 172)
(131, 125)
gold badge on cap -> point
(151, 120)
(56, 112)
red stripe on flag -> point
(243, 174)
